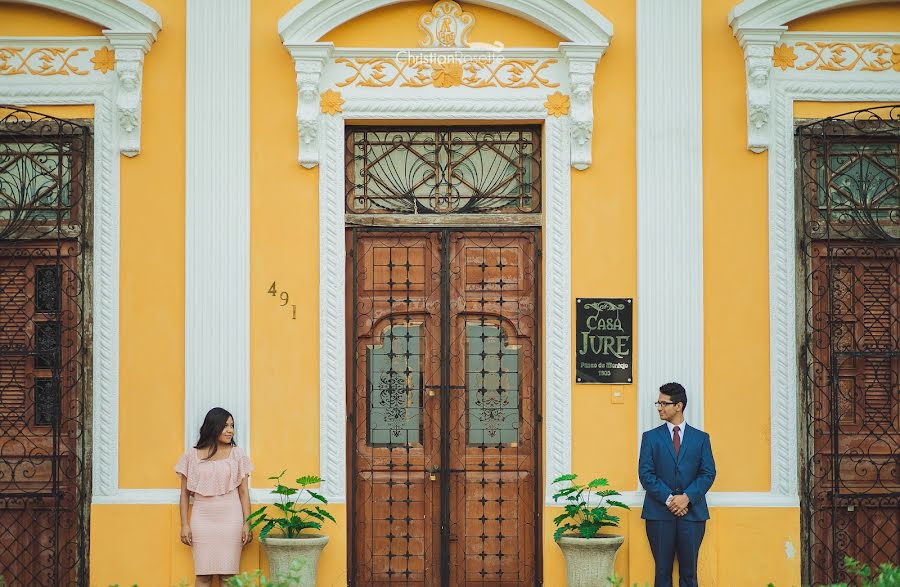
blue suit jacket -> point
(662, 475)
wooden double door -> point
(443, 402)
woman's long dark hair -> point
(212, 427)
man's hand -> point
(678, 505)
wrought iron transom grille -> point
(44, 482)
(849, 186)
(443, 170)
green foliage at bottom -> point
(257, 579)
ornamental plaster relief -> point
(447, 66)
(85, 57)
(114, 60)
(761, 28)
(824, 52)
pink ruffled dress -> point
(216, 517)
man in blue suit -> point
(676, 468)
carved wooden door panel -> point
(855, 481)
(444, 408)
(40, 410)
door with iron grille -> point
(849, 181)
(44, 485)
(444, 407)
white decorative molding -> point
(130, 50)
(833, 52)
(408, 76)
(309, 63)
(759, 25)
(783, 327)
(117, 59)
(557, 303)
(759, 46)
(411, 74)
(105, 247)
(131, 27)
(217, 214)
(582, 61)
(573, 20)
(669, 206)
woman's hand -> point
(246, 534)
(186, 536)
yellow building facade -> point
(224, 241)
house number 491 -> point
(285, 297)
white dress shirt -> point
(672, 436)
(680, 430)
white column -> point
(670, 205)
(217, 214)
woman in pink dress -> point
(214, 473)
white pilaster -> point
(670, 205)
(217, 214)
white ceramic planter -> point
(590, 561)
(283, 551)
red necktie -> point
(676, 440)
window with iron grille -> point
(443, 170)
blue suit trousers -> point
(669, 538)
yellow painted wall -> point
(151, 368)
(735, 267)
(744, 546)
(872, 18)
(21, 20)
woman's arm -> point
(186, 536)
(244, 494)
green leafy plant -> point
(887, 575)
(580, 515)
(257, 579)
(294, 517)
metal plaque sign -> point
(603, 340)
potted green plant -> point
(590, 557)
(290, 542)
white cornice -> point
(573, 20)
(124, 16)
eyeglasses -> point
(663, 404)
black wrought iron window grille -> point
(443, 170)
(850, 175)
(42, 162)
